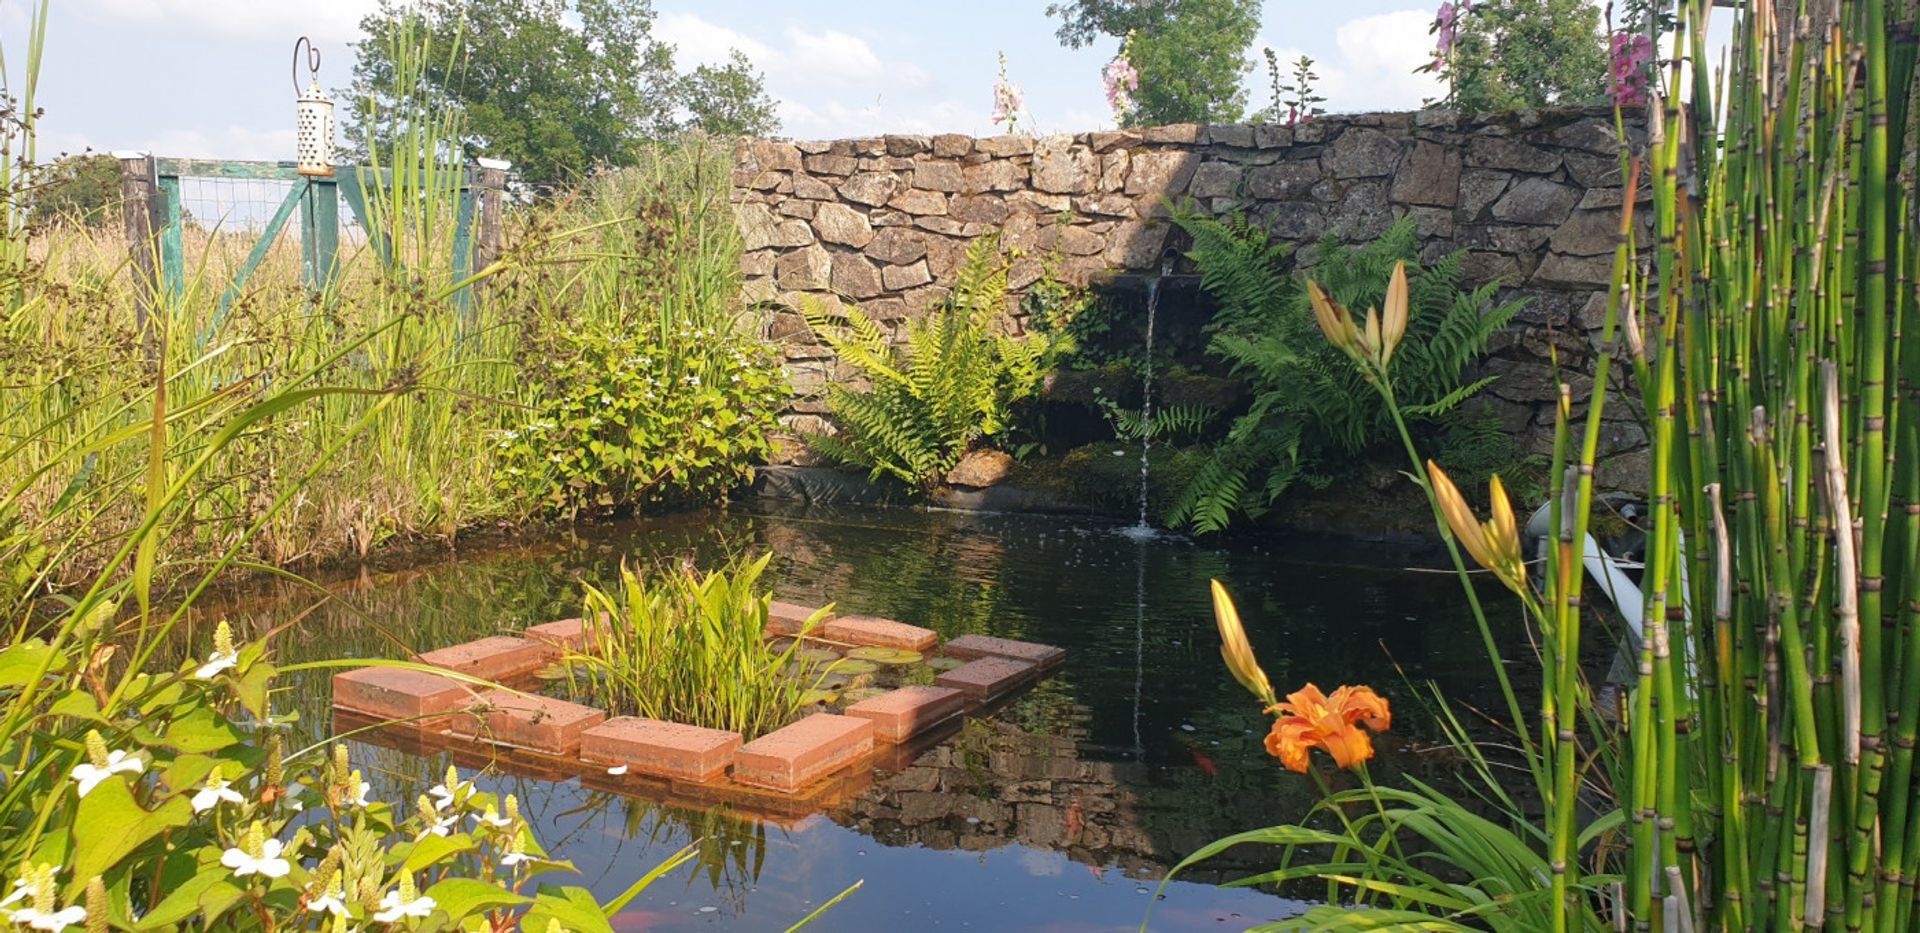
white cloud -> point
(699, 42)
(832, 55)
(323, 20)
(1373, 69)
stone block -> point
(811, 188)
(1009, 145)
(899, 278)
(564, 635)
(496, 657)
(1061, 167)
(1285, 181)
(661, 749)
(898, 246)
(540, 723)
(1430, 176)
(945, 177)
(1536, 201)
(884, 633)
(997, 175)
(1362, 152)
(1184, 133)
(398, 693)
(985, 678)
(1216, 180)
(1231, 134)
(784, 618)
(794, 756)
(870, 188)
(981, 209)
(838, 223)
(854, 275)
(1044, 657)
(908, 711)
(1163, 173)
(918, 202)
(804, 269)
(831, 164)
(952, 145)
(1510, 155)
(907, 145)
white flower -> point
(514, 858)
(330, 902)
(215, 791)
(617, 770)
(54, 920)
(359, 798)
(89, 775)
(451, 790)
(217, 662)
(267, 864)
(443, 826)
(395, 906)
(492, 818)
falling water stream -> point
(1144, 528)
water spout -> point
(1144, 528)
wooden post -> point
(491, 179)
(138, 182)
(319, 233)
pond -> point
(1058, 812)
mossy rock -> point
(880, 655)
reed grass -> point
(684, 646)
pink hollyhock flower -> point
(1630, 55)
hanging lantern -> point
(313, 114)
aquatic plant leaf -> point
(880, 655)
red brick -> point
(986, 677)
(884, 633)
(662, 749)
(909, 710)
(386, 693)
(792, 757)
(787, 619)
(543, 724)
(566, 634)
(496, 657)
(986, 646)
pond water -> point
(1058, 812)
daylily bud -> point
(1393, 325)
(1235, 649)
(1494, 545)
(1334, 320)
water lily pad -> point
(880, 655)
(811, 697)
(831, 682)
(854, 667)
(866, 693)
(945, 664)
(816, 655)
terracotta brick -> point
(662, 749)
(987, 677)
(792, 757)
(1044, 657)
(909, 710)
(786, 619)
(540, 723)
(496, 657)
(884, 633)
(566, 634)
(386, 693)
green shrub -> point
(954, 385)
(628, 419)
(1310, 410)
(691, 647)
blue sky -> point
(210, 78)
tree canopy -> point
(558, 87)
(1511, 54)
(1191, 55)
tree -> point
(1513, 54)
(1191, 55)
(83, 188)
(558, 87)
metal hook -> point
(313, 62)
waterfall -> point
(1144, 528)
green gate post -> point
(319, 234)
(173, 249)
(463, 241)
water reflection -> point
(1057, 811)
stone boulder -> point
(981, 468)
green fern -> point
(1311, 409)
(952, 385)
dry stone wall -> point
(1532, 198)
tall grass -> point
(684, 646)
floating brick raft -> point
(803, 766)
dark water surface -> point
(1059, 812)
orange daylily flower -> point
(1309, 719)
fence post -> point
(139, 180)
(319, 233)
(491, 179)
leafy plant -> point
(628, 419)
(691, 647)
(953, 385)
(1310, 409)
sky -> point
(211, 78)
